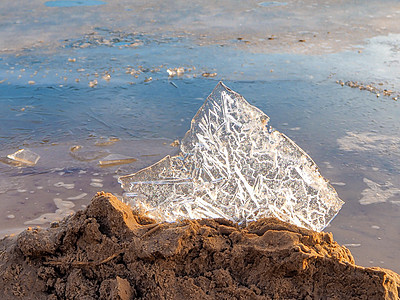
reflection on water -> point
(50, 104)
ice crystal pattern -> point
(233, 166)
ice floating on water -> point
(80, 153)
(25, 156)
(64, 209)
(116, 159)
(233, 166)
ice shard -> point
(233, 165)
(25, 157)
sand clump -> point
(109, 251)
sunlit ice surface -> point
(233, 166)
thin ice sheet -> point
(233, 165)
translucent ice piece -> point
(80, 153)
(233, 166)
(25, 156)
(116, 159)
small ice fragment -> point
(80, 196)
(352, 245)
(25, 156)
(107, 142)
(61, 204)
(63, 210)
(80, 153)
(68, 186)
(375, 227)
(116, 159)
(96, 180)
(96, 184)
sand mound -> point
(110, 252)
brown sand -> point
(110, 252)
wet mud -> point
(109, 251)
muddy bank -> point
(110, 252)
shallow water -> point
(113, 82)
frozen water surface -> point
(233, 166)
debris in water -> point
(107, 142)
(25, 156)
(233, 165)
(175, 143)
(370, 88)
(206, 74)
(176, 72)
(93, 83)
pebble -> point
(11, 216)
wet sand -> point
(109, 251)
